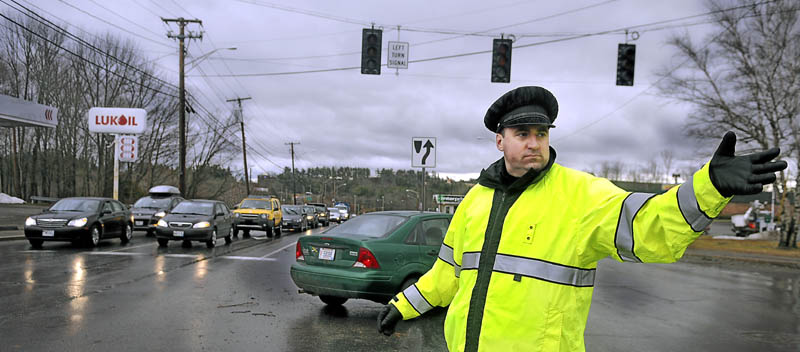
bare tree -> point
(745, 79)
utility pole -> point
(244, 145)
(294, 191)
(182, 93)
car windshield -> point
(254, 204)
(368, 225)
(291, 210)
(76, 205)
(150, 202)
(199, 208)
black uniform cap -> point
(522, 106)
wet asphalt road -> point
(241, 298)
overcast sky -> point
(344, 118)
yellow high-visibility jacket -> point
(518, 263)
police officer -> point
(517, 265)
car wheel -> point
(213, 240)
(277, 231)
(235, 232)
(162, 242)
(332, 300)
(269, 231)
(36, 244)
(94, 236)
(229, 237)
(126, 236)
(150, 233)
(245, 233)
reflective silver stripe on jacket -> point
(446, 255)
(623, 239)
(687, 202)
(468, 261)
(416, 299)
(555, 273)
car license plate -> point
(48, 233)
(178, 233)
(139, 223)
(327, 253)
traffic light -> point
(371, 51)
(626, 58)
(501, 60)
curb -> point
(11, 238)
(788, 262)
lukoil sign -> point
(117, 120)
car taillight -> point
(366, 260)
(298, 252)
(751, 225)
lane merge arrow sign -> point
(423, 152)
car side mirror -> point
(45, 210)
(235, 207)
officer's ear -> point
(498, 138)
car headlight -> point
(162, 223)
(201, 225)
(236, 215)
(78, 222)
(161, 214)
(296, 220)
(263, 216)
(30, 221)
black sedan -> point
(80, 219)
(294, 217)
(196, 220)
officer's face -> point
(524, 148)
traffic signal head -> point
(501, 60)
(371, 51)
(626, 58)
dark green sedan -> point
(372, 256)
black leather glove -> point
(741, 175)
(388, 318)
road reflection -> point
(75, 290)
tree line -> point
(44, 63)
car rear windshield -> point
(187, 207)
(254, 204)
(150, 202)
(76, 205)
(368, 225)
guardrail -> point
(35, 199)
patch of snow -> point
(6, 199)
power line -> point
(81, 41)
(84, 59)
(124, 18)
(113, 25)
(445, 57)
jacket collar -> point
(492, 176)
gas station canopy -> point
(15, 112)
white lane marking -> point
(248, 258)
(132, 247)
(116, 253)
(271, 253)
(183, 256)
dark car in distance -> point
(196, 220)
(372, 256)
(323, 214)
(80, 219)
(294, 217)
(154, 206)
